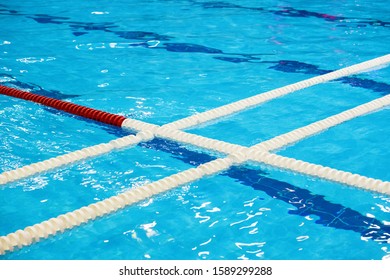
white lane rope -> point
(75, 218)
(59, 161)
(46, 165)
(258, 99)
(319, 126)
(237, 155)
(149, 131)
(323, 172)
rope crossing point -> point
(236, 155)
(166, 130)
(150, 131)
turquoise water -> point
(160, 61)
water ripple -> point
(302, 238)
(149, 229)
(204, 218)
(248, 217)
(254, 248)
(29, 60)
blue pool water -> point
(159, 61)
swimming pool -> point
(161, 61)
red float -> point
(65, 106)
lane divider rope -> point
(75, 218)
(323, 172)
(148, 131)
(59, 161)
(80, 216)
(65, 106)
(165, 130)
(321, 125)
(255, 100)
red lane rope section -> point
(65, 106)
